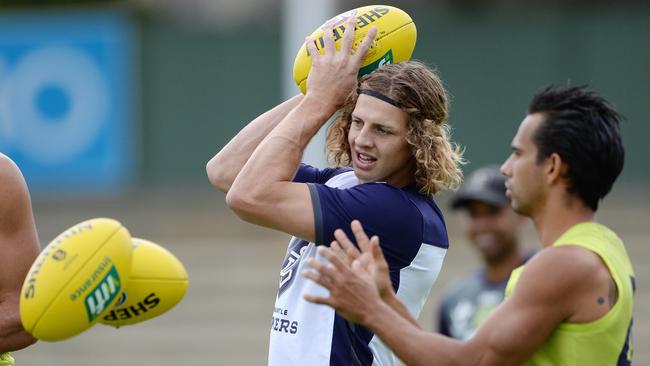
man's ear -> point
(555, 168)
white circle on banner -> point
(75, 108)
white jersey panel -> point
(301, 332)
(416, 281)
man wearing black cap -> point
(492, 227)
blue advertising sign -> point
(66, 100)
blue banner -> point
(66, 100)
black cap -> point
(485, 185)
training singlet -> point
(605, 341)
(414, 242)
(6, 359)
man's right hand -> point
(352, 272)
(334, 74)
(370, 257)
(358, 281)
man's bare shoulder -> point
(14, 196)
(11, 179)
(9, 172)
(559, 276)
(567, 260)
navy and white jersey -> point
(413, 238)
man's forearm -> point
(411, 344)
(263, 193)
(277, 157)
(395, 304)
(224, 167)
(12, 334)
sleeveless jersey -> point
(6, 359)
(605, 341)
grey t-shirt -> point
(467, 303)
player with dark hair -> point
(492, 228)
(19, 248)
(572, 303)
(583, 129)
(392, 150)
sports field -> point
(233, 268)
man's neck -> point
(559, 215)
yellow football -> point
(158, 282)
(395, 40)
(76, 279)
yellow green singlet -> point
(605, 341)
(6, 359)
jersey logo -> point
(288, 273)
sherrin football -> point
(395, 40)
(158, 282)
(76, 279)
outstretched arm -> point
(224, 167)
(263, 193)
(18, 248)
(541, 300)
